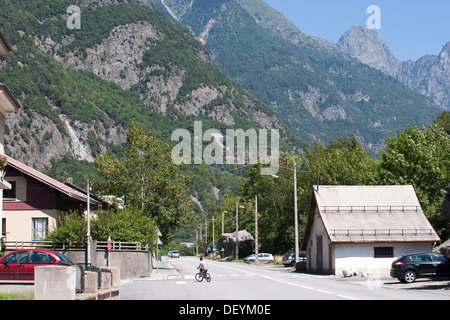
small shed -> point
(364, 228)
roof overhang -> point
(4, 46)
(52, 183)
(8, 103)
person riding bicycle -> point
(203, 266)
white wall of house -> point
(318, 229)
(360, 257)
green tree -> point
(148, 180)
(443, 121)
(421, 158)
(126, 225)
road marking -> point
(181, 282)
(347, 297)
(323, 291)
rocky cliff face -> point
(365, 45)
(430, 75)
(187, 85)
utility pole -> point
(213, 219)
(237, 232)
(296, 214)
(223, 220)
(88, 225)
(201, 237)
(196, 242)
(206, 239)
(256, 228)
(237, 229)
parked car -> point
(289, 259)
(262, 258)
(409, 267)
(174, 254)
(20, 264)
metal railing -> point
(119, 245)
(380, 232)
(99, 245)
(370, 208)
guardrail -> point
(99, 245)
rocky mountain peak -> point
(365, 45)
(444, 56)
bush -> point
(126, 225)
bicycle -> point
(202, 275)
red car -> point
(20, 264)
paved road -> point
(235, 281)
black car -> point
(409, 267)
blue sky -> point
(411, 28)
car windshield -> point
(64, 258)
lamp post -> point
(237, 229)
(223, 220)
(196, 242)
(213, 221)
(296, 214)
(201, 237)
(295, 210)
(206, 240)
(256, 229)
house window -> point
(4, 228)
(39, 229)
(11, 193)
(384, 252)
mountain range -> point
(429, 75)
(320, 90)
(167, 63)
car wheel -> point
(409, 276)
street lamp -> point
(222, 220)
(237, 229)
(295, 210)
(256, 229)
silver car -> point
(262, 258)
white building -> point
(364, 228)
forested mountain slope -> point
(318, 91)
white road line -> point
(181, 282)
(347, 297)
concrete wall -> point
(54, 283)
(132, 264)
